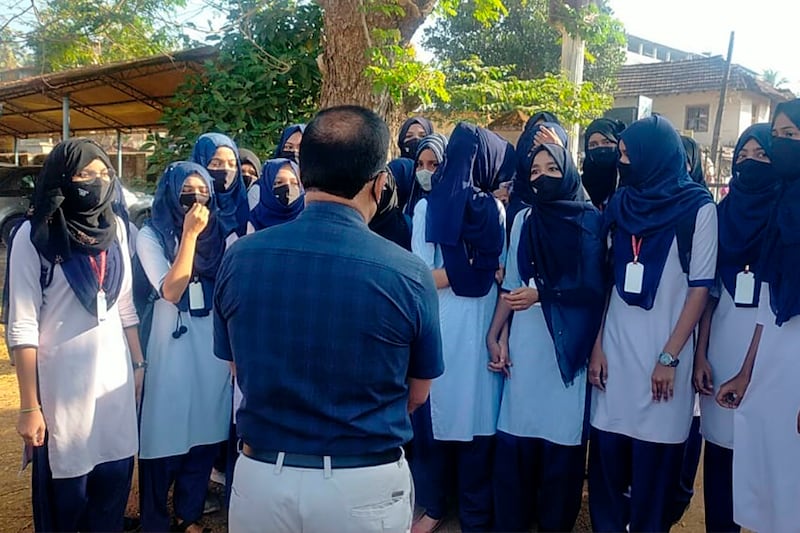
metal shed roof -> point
(118, 96)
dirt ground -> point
(15, 508)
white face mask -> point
(424, 179)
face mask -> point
(409, 149)
(291, 155)
(223, 179)
(248, 180)
(188, 199)
(603, 157)
(786, 158)
(286, 194)
(755, 174)
(85, 196)
(626, 177)
(546, 188)
(424, 178)
(377, 197)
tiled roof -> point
(689, 76)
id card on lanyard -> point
(99, 270)
(745, 287)
(634, 271)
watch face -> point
(665, 359)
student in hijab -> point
(289, 145)
(459, 232)
(389, 222)
(186, 410)
(726, 327)
(219, 155)
(664, 241)
(430, 154)
(600, 162)
(694, 160)
(71, 328)
(411, 134)
(764, 393)
(251, 167)
(278, 196)
(554, 287)
(530, 139)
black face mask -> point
(223, 178)
(286, 194)
(86, 195)
(291, 155)
(546, 188)
(626, 177)
(188, 199)
(754, 174)
(785, 158)
(409, 149)
(604, 157)
(248, 180)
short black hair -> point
(343, 148)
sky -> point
(765, 29)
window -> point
(697, 118)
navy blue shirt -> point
(325, 321)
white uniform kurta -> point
(731, 331)
(187, 400)
(535, 401)
(634, 337)
(465, 399)
(86, 384)
(766, 454)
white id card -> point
(196, 299)
(102, 306)
(634, 276)
(745, 288)
(532, 284)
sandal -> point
(183, 527)
(432, 528)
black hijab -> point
(65, 230)
(600, 164)
(695, 160)
(562, 247)
(389, 222)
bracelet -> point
(141, 364)
(30, 410)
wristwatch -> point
(667, 359)
(140, 364)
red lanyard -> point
(636, 246)
(99, 271)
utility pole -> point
(572, 53)
(715, 152)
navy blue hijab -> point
(167, 222)
(562, 247)
(521, 195)
(661, 197)
(67, 235)
(269, 211)
(743, 215)
(287, 132)
(436, 143)
(463, 217)
(782, 244)
(426, 124)
(546, 116)
(389, 221)
(233, 208)
(599, 178)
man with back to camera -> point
(334, 333)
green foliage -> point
(74, 33)
(485, 12)
(264, 78)
(492, 91)
(525, 38)
(774, 78)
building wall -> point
(737, 116)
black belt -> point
(299, 460)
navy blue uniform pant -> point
(718, 489)
(189, 473)
(436, 464)
(631, 482)
(92, 502)
(537, 480)
(691, 460)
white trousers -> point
(277, 499)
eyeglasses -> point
(90, 175)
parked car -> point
(16, 191)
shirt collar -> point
(332, 211)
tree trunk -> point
(347, 29)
